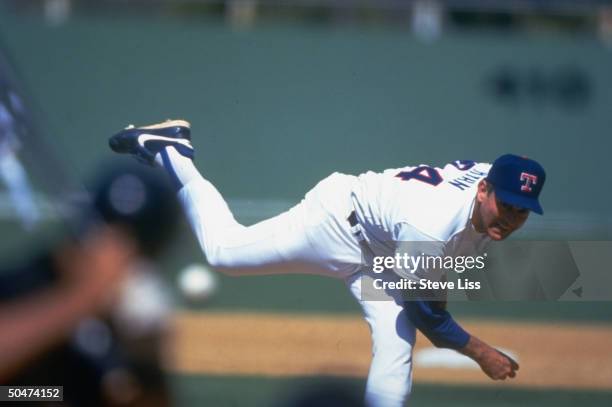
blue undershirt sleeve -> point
(430, 317)
(436, 324)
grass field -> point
(264, 391)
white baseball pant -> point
(312, 237)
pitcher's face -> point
(496, 218)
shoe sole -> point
(167, 123)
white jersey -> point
(421, 203)
(409, 204)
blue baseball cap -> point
(517, 181)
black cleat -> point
(145, 142)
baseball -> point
(197, 282)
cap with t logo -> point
(518, 181)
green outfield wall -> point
(277, 106)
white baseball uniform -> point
(317, 236)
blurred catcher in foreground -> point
(89, 313)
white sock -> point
(180, 168)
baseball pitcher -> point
(458, 209)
